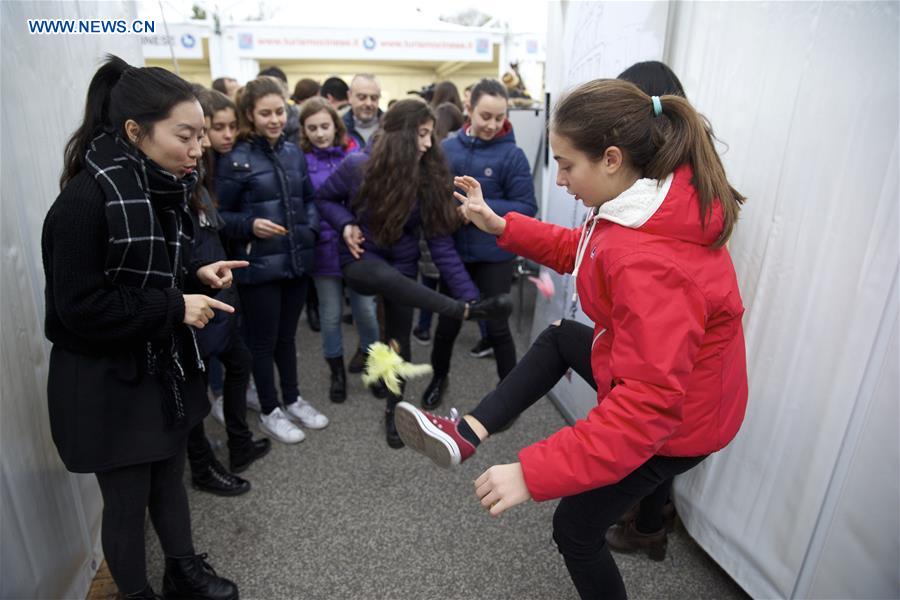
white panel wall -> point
(49, 519)
(598, 39)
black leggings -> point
(492, 279)
(371, 277)
(580, 521)
(127, 494)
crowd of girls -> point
(189, 232)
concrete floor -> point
(341, 515)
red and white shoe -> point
(436, 437)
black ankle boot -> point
(495, 307)
(434, 393)
(193, 577)
(379, 390)
(145, 594)
(216, 480)
(390, 429)
(337, 392)
(239, 460)
(358, 362)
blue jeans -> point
(331, 302)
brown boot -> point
(630, 514)
(627, 539)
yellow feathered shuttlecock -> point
(385, 364)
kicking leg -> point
(450, 441)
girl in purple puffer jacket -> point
(324, 140)
(381, 201)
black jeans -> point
(374, 276)
(271, 313)
(492, 279)
(127, 494)
(580, 521)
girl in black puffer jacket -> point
(220, 339)
(266, 201)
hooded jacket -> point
(668, 352)
(501, 168)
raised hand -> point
(474, 209)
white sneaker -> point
(308, 416)
(218, 410)
(277, 425)
(252, 398)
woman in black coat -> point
(125, 381)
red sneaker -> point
(436, 437)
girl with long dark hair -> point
(126, 377)
(379, 201)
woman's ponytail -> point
(657, 138)
(96, 115)
(689, 138)
(117, 93)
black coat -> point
(105, 410)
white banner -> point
(359, 44)
(187, 40)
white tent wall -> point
(49, 518)
(806, 96)
(599, 39)
(804, 502)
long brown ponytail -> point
(608, 112)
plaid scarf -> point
(149, 227)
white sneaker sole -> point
(307, 424)
(420, 434)
(271, 434)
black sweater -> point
(86, 313)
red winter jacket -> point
(668, 352)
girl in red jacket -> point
(666, 353)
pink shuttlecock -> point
(544, 284)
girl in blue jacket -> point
(485, 148)
(266, 200)
(380, 200)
